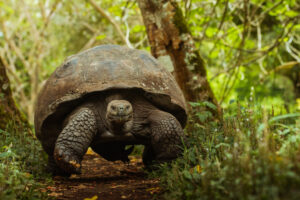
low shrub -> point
(251, 154)
(21, 165)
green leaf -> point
(5, 154)
(138, 28)
(280, 117)
(195, 104)
(211, 31)
(297, 26)
(100, 37)
(2, 131)
(222, 145)
(210, 105)
(291, 13)
(187, 174)
(6, 8)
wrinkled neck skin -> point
(119, 114)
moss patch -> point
(179, 20)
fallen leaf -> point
(197, 168)
(133, 159)
(54, 194)
(90, 152)
(93, 198)
(51, 188)
(43, 190)
(74, 176)
(81, 186)
(117, 186)
(153, 190)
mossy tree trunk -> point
(8, 110)
(171, 43)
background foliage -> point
(251, 48)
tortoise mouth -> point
(119, 118)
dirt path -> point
(103, 180)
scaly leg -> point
(166, 138)
(74, 140)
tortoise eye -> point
(113, 107)
(127, 107)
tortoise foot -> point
(54, 170)
(67, 161)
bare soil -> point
(101, 179)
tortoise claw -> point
(67, 161)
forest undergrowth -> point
(22, 165)
(253, 153)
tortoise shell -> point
(100, 69)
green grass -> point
(22, 164)
(251, 154)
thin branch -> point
(91, 41)
(262, 53)
(53, 9)
(127, 29)
(220, 26)
(111, 20)
(89, 27)
(259, 41)
(228, 88)
(43, 12)
(260, 17)
(278, 40)
(140, 42)
(13, 45)
(208, 23)
(289, 49)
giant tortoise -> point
(105, 98)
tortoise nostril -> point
(121, 108)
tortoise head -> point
(119, 115)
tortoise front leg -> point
(166, 138)
(74, 140)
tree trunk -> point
(171, 43)
(8, 110)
